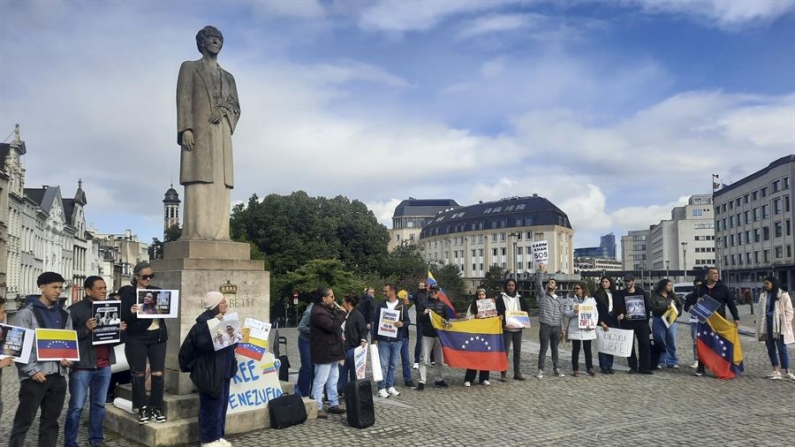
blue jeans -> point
(694, 336)
(665, 339)
(389, 351)
(776, 346)
(326, 375)
(304, 385)
(348, 369)
(405, 360)
(80, 382)
(418, 343)
(212, 415)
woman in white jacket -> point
(774, 327)
(579, 321)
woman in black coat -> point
(211, 372)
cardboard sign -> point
(375, 361)
(517, 319)
(255, 384)
(540, 252)
(617, 342)
(670, 316)
(16, 342)
(360, 361)
(108, 329)
(386, 323)
(486, 308)
(636, 308)
(586, 319)
(157, 303)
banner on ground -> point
(472, 344)
(108, 329)
(255, 384)
(617, 342)
(157, 303)
(540, 251)
(16, 342)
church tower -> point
(170, 209)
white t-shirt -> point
(609, 301)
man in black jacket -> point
(719, 292)
(355, 335)
(367, 307)
(420, 298)
(638, 323)
(92, 372)
(430, 339)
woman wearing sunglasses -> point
(580, 311)
(145, 339)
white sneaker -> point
(694, 365)
(540, 375)
(382, 393)
(774, 376)
(485, 382)
(790, 376)
(392, 391)
(416, 366)
(225, 443)
(213, 444)
(467, 383)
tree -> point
(405, 267)
(493, 281)
(173, 233)
(448, 277)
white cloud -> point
(726, 14)
(384, 210)
(396, 16)
(493, 67)
(494, 24)
(303, 9)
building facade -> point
(584, 264)
(605, 250)
(170, 210)
(634, 249)
(412, 215)
(476, 237)
(753, 225)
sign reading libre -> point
(617, 342)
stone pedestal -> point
(197, 267)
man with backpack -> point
(43, 383)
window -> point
(739, 239)
(474, 253)
(786, 204)
(528, 221)
(737, 202)
(766, 233)
(502, 251)
(775, 186)
(494, 252)
(778, 229)
(487, 211)
(786, 182)
(757, 235)
(787, 228)
(493, 224)
(639, 247)
(748, 258)
(697, 212)
(519, 251)
(474, 266)
(756, 257)
(779, 252)
(497, 209)
(520, 207)
(480, 239)
(518, 222)
(731, 205)
(639, 238)
(745, 199)
(734, 260)
(765, 211)
(731, 221)
(754, 195)
(747, 217)
(763, 192)
(717, 222)
(519, 236)
(509, 208)
(731, 240)
(789, 251)
(480, 253)
(777, 206)
(748, 237)
(756, 214)
(494, 237)
(766, 255)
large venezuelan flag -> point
(442, 296)
(472, 344)
(718, 345)
(56, 344)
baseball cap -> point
(629, 277)
(434, 287)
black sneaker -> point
(420, 387)
(143, 415)
(440, 384)
(157, 415)
(409, 384)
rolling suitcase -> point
(287, 410)
(359, 403)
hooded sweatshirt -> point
(53, 319)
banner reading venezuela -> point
(718, 346)
(472, 344)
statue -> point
(207, 112)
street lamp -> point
(667, 269)
(684, 260)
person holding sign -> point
(579, 322)
(355, 335)
(430, 338)
(5, 361)
(662, 300)
(774, 326)
(637, 322)
(480, 297)
(510, 301)
(92, 372)
(717, 290)
(146, 339)
(42, 383)
(211, 371)
(550, 315)
(326, 349)
(390, 316)
(606, 308)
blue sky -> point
(615, 111)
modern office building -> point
(605, 250)
(753, 225)
(413, 214)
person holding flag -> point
(469, 376)
(717, 290)
(430, 339)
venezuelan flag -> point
(56, 344)
(250, 350)
(472, 344)
(718, 346)
(442, 296)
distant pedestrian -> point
(605, 297)
(690, 301)
(367, 307)
(405, 358)
(580, 335)
(662, 300)
(550, 315)
(306, 371)
(325, 342)
(420, 299)
(774, 327)
(389, 345)
(469, 376)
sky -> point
(615, 111)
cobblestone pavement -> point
(670, 408)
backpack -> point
(187, 354)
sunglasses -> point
(147, 277)
(578, 288)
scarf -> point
(776, 316)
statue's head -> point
(204, 33)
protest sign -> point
(540, 252)
(225, 332)
(108, 329)
(517, 319)
(255, 384)
(704, 308)
(617, 342)
(386, 326)
(636, 307)
(670, 316)
(257, 329)
(360, 361)
(486, 308)
(16, 342)
(157, 303)
(375, 361)
(56, 344)
(587, 317)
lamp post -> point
(667, 269)
(514, 237)
(684, 260)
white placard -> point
(375, 361)
(360, 361)
(540, 252)
(16, 342)
(617, 342)
(257, 329)
(157, 303)
(486, 308)
(386, 323)
(225, 332)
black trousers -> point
(575, 354)
(50, 396)
(469, 376)
(642, 332)
(138, 349)
(514, 338)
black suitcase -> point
(359, 403)
(287, 410)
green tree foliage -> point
(493, 281)
(292, 230)
(405, 267)
(156, 248)
(448, 277)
